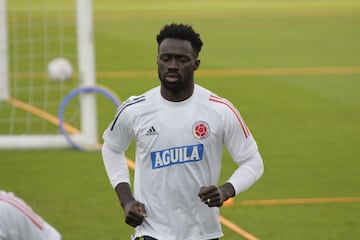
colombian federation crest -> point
(201, 130)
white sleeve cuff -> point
(115, 165)
(247, 173)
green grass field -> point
(293, 70)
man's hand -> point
(214, 196)
(134, 213)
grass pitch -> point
(293, 70)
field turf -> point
(292, 68)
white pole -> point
(86, 64)
(4, 65)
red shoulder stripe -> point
(217, 99)
(25, 209)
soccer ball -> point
(59, 69)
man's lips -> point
(172, 77)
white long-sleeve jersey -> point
(19, 221)
(179, 148)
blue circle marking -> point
(85, 89)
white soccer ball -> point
(60, 69)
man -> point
(19, 221)
(180, 129)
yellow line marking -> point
(218, 72)
(242, 72)
(281, 71)
(232, 11)
(229, 202)
(52, 119)
(299, 201)
(130, 163)
(237, 229)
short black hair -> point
(180, 31)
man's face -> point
(177, 62)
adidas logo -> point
(151, 131)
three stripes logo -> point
(151, 131)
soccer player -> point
(180, 129)
(19, 221)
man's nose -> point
(173, 64)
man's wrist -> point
(124, 194)
(227, 191)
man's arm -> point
(134, 211)
(244, 177)
(248, 172)
(115, 165)
(118, 173)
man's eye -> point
(164, 58)
(183, 59)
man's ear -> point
(197, 64)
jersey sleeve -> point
(243, 149)
(119, 133)
(115, 165)
(237, 137)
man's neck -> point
(176, 96)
